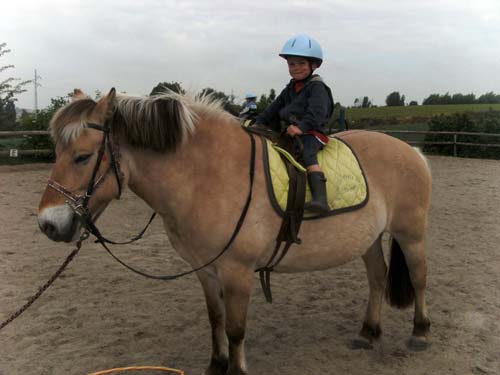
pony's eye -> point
(81, 159)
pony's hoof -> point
(371, 333)
(422, 327)
(217, 366)
(358, 344)
(236, 372)
(418, 343)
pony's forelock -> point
(69, 121)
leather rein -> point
(79, 203)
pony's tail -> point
(399, 290)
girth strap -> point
(292, 220)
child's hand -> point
(293, 130)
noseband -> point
(79, 203)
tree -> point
(161, 87)
(394, 99)
(9, 88)
(413, 102)
(226, 100)
(366, 102)
(272, 95)
(41, 122)
(265, 100)
(215, 94)
(489, 98)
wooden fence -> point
(453, 141)
(18, 152)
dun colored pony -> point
(189, 160)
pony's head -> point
(87, 173)
(83, 171)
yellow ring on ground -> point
(135, 368)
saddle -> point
(286, 179)
(346, 185)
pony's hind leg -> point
(376, 271)
(409, 257)
(215, 306)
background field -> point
(422, 111)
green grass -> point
(420, 111)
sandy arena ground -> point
(99, 315)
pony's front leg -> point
(237, 282)
(215, 306)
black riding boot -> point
(317, 183)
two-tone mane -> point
(161, 122)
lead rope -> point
(103, 241)
(44, 287)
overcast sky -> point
(372, 47)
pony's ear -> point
(111, 95)
(78, 94)
(106, 105)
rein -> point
(228, 244)
(80, 204)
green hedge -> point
(485, 122)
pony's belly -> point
(327, 252)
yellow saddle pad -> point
(346, 185)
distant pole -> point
(37, 85)
(342, 121)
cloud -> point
(370, 48)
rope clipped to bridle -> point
(79, 204)
(45, 286)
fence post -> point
(342, 122)
(454, 145)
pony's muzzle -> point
(59, 223)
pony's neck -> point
(170, 182)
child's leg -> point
(315, 176)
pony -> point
(188, 160)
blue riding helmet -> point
(304, 46)
(250, 96)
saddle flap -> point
(347, 187)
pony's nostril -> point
(49, 229)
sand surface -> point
(99, 315)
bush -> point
(485, 122)
(41, 122)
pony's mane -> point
(161, 122)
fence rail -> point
(16, 134)
(454, 142)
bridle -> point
(79, 203)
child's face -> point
(299, 67)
